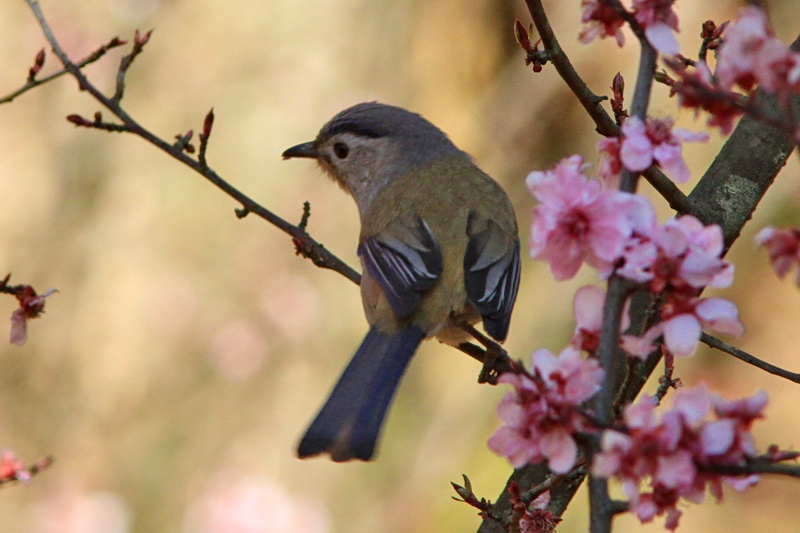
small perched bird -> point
(439, 247)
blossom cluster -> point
(678, 455)
(578, 220)
(749, 56)
(644, 143)
(678, 260)
(541, 415)
(656, 17)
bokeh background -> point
(187, 349)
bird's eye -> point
(341, 150)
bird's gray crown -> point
(375, 120)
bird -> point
(439, 248)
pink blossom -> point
(656, 141)
(600, 20)
(31, 306)
(697, 89)
(681, 256)
(588, 310)
(535, 518)
(783, 247)
(737, 56)
(576, 220)
(11, 468)
(683, 323)
(662, 460)
(750, 55)
(540, 415)
(677, 260)
(67, 508)
(659, 21)
(610, 165)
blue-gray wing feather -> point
(491, 273)
(405, 260)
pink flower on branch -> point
(534, 517)
(610, 166)
(541, 414)
(683, 322)
(678, 261)
(750, 55)
(697, 89)
(659, 21)
(675, 454)
(681, 256)
(655, 141)
(31, 306)
(600, 20)
(588, 310)
(783, 247)
(12, 469)
(578, 220)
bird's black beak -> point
(301, 150)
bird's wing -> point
(405, 260)
(491, 273)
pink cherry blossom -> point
(600, 20)
(744, 38)
(683, 323)
(662, 460)
(660, 22)
(610, 166)
(750, 55)
(687, 257)
(697, 89)
(534, 516)
(577, 220)
(588, 310)
(783, 247)
(12, 469)
(540, 415)
(656, 142)
(31, 306)
(676, 261)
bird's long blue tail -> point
(348, 425)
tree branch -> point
(304, 244)
(32, 82)
(714, 342)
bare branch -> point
(748, 358)
(32, 82)
(305, 245)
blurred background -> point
(187, 350)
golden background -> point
(187, 350)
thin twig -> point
(589, 100)
(32, 82)
(757, 466)
(305, 245)
(714, 342)
(578, 472)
